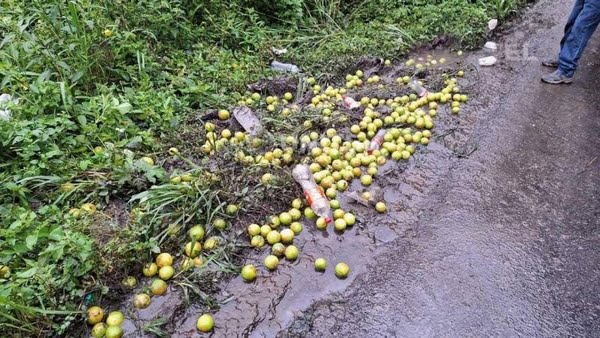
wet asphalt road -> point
(510, 243)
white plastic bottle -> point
(376, 141)
(248, 120)
(284, 67)
(417, 88)
(314, 194)
(349, 102)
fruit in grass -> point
(166, 272)
(192, 249)
(114, 331)
(231, 209)
(196, 232)
(115, 318)
(95, 314)
(223, 114)
(164, 259)
(98, 331)
(220, 224)
(150, 269)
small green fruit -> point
(205, 323)
(320, 264)
(291, 252)
(271, 262)
(248, 273)
(342, 270)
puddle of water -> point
(161, 307)
(266, 306)
(270, 304)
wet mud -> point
(492, 229)
(505, 241)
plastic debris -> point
(5, 99)
(491, 45)
(417, 88)
(375, 194)
(278, 51)
(350, 102)
(284, 67)
(314, 194)
(248, 120)
(376, 141)
(487, 61)
(492, 24)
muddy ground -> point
(506, 240)
(493, 228)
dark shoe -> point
(557, 77)
(550, 63)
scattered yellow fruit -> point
(158, 287)
(342, 270)
(99, 330)
(380, 207)
(271, 262)
(114, 331)
(320, 264)
(115, 318)
(249, 273)
(150, 269)
(166, 272)
(141, 301)
(164, 259)
(95, 314)
(205, 323)
(291, 252)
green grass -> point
(103, 83)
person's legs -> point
(577, 7)
(584, 26)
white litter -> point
(284, 67)
(492, 24)
(487, 61)
(349, 102)
(491, 45)
(248, 120)
(5, 99)
(278, 51)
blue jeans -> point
(582, 23)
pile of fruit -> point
(336, 158)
